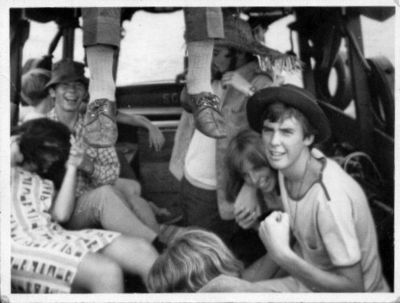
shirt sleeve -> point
(106, 165)
(337, 227)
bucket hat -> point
(239, 35)
(293, 96)
(67, 70)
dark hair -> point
(41, 139)
(246, 145)
(217, 75)
(280, 111)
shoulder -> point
(339, 185)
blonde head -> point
(192, 260)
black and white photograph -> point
(199, 151)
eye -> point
(266, 129)
(287, 131)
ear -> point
(52, 92)
(309, 140)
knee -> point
(134, 188)
(110, 273)
(129, 187)
(99, 273)
(105, 196)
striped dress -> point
(45, 256)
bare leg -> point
(200, 54)
(136, 203)
(98, 273)
(202, 26)
(103, 206)
(134, 255)
(101, 38)
(117, 216)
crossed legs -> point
(104, 207)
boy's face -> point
(68, 96)
(284, 142)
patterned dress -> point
(45, 256)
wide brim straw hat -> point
(239, 35)
(293, 96)
(65, 71)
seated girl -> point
(251, 182)
(46, 258)
(192, 260)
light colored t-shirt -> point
(27, 113)
(334, 226)
(200, 166)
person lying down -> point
(192, 260)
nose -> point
(70, 88)
(275, 139)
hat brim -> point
(293, 96)
(255, 48)
(65, 79)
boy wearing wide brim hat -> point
(198, 160)
(325, 210)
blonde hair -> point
(192, 260)
(33, 86)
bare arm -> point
(263, 269)
(342, 279)
(274, 232)
(247, 207)
(156, 137)
(64, 203)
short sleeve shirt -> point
(333, 224)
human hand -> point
(159, 211)
(156, 138)
(247, 208)
(274, 232)
(237, 81)
(246, 218)
(76, 153)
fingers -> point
(246, 218)
(156, 139)
(276, 217)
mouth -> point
(275, 155)
(71, 100)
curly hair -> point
(44, 144)
(192, 260)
